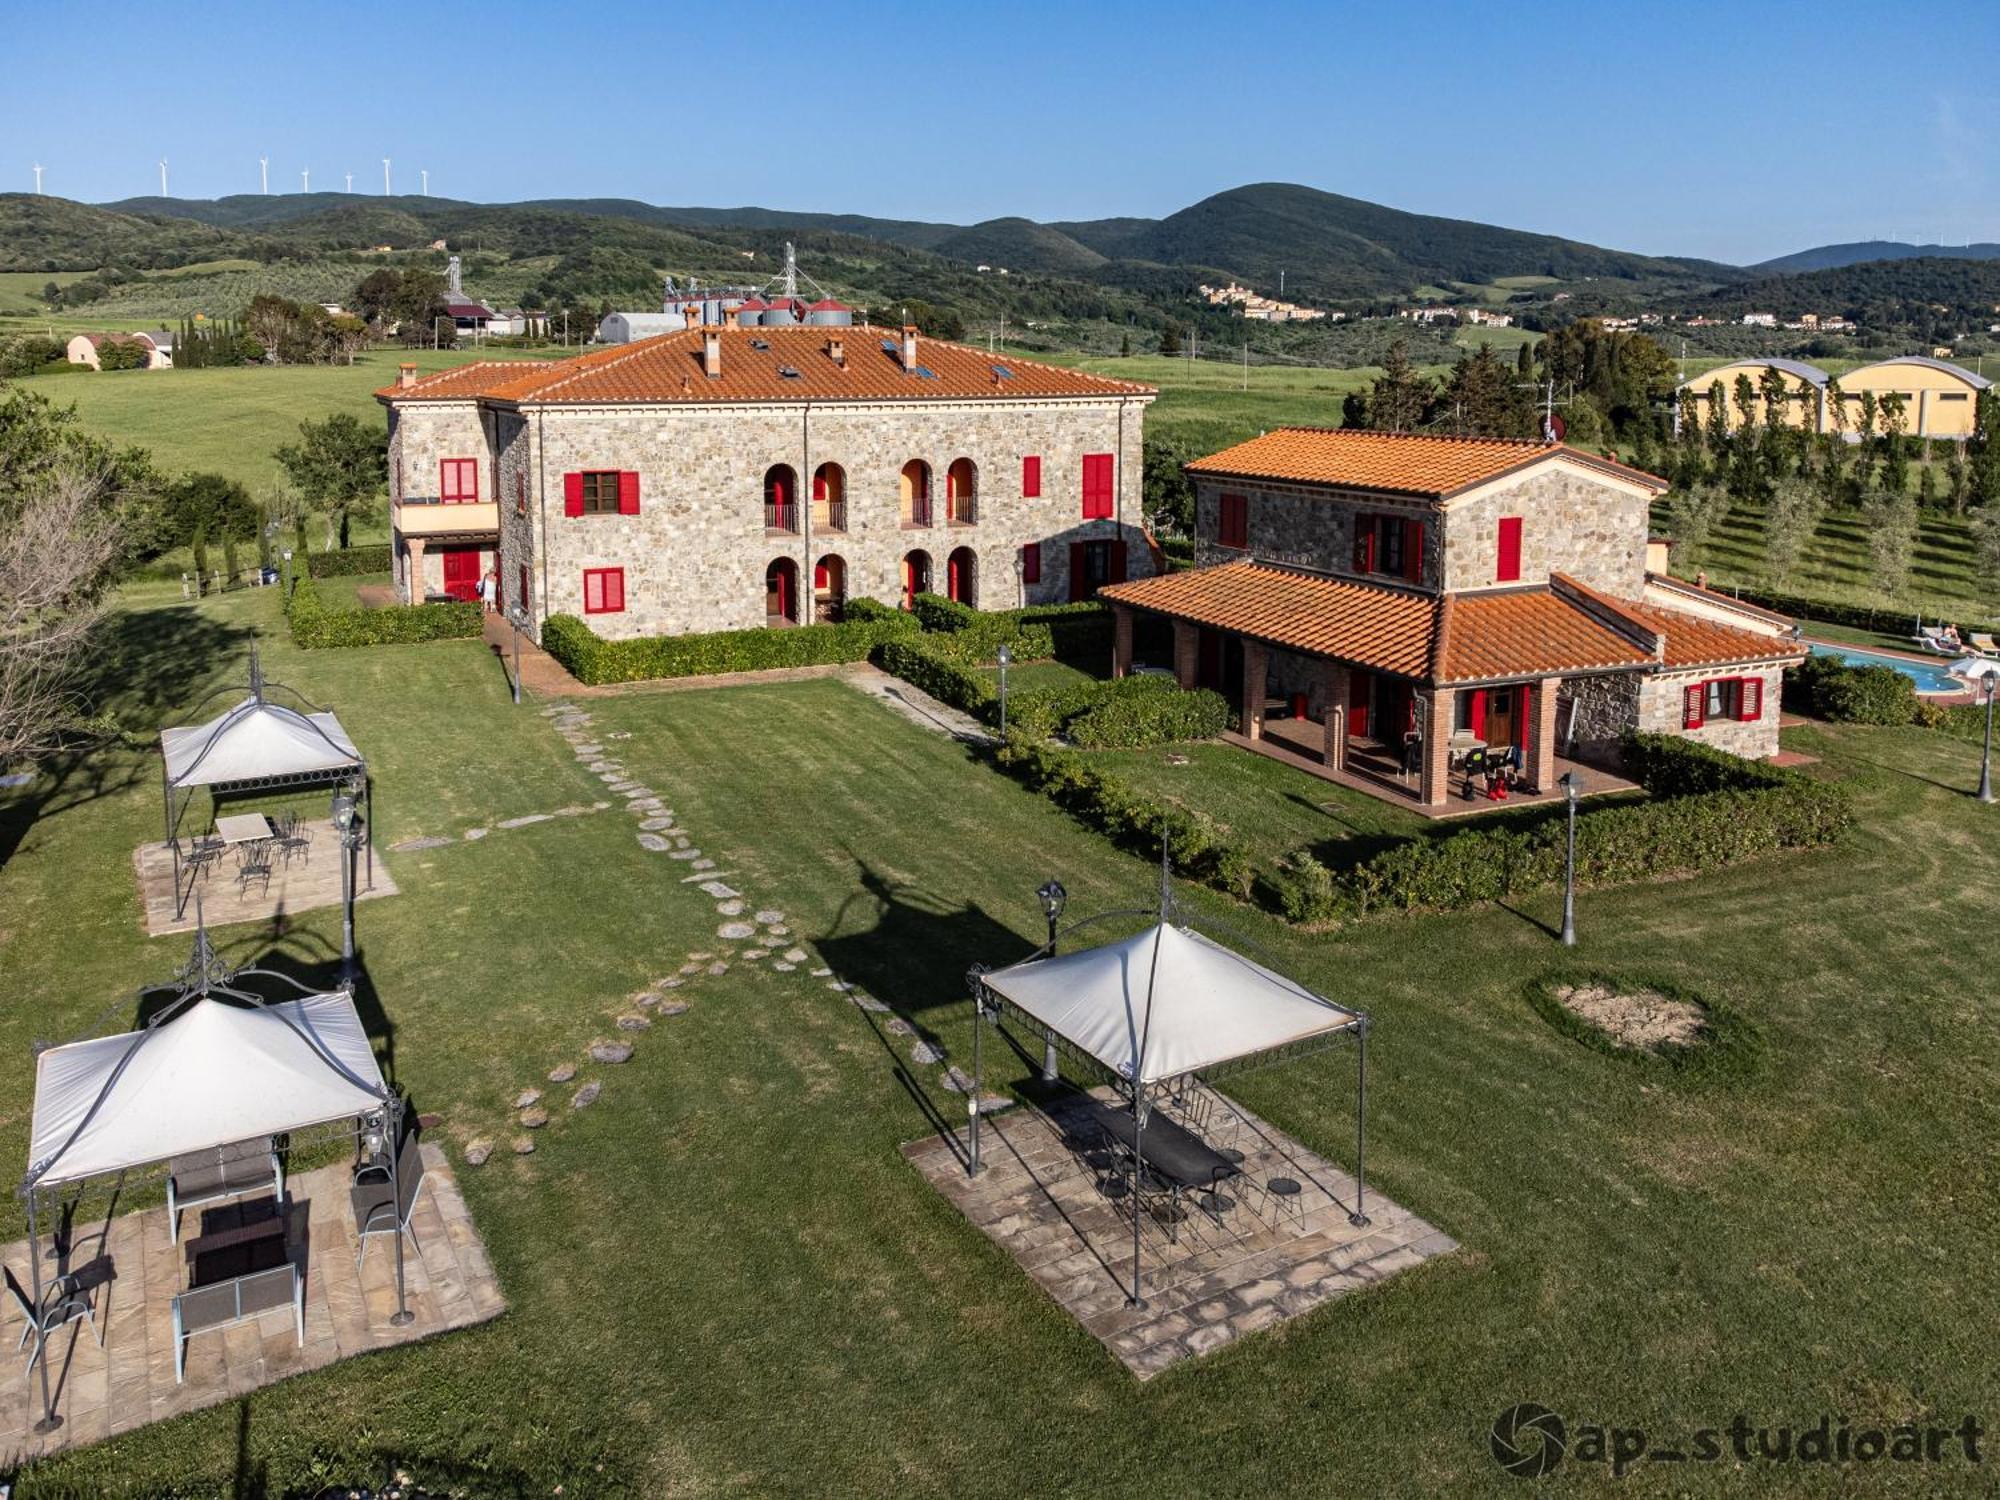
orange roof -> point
(1524, 633)
(670, 369)
(466, 382)
(1387, 629)
(1691, 640)
(1404, 463)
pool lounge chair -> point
(1941, 639)
(1983, 644)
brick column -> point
(1541, 756)
(1334, 719)
(1121, 641)
(413, 592)
(1434, 785)
(1187, 654)
(1255, 661)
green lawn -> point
(724, 1279)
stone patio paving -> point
(129, 1382)
(1042, 1197)
(302, 885)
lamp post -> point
(1982, 672)
(1054, 898)
(518, 618)
(1569, 785)
(1004, 658)
(349, 835)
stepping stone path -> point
(957, 1080)
(718, 968)
(782, 967)
(525, 821)
(681, 841)
(821, 973)
(795, 955)
(524, 1145)
(645, 807)
(654, 825)
(408, 845)
(992, 1104)
(477, 1152)
(474, 834)
(735, 931)
(672, 982)
(899, 1027)
(869, 1003)
(536, 1118)
(527, 1097)
(701, 864)
(685, 853)
(634, 1023)
(767, 917)
(653, 842)
(586, 1095)
(926, 1052)
(730, 908)
(562, 1072)
(612, 1052)
(778, 929)
(720, 891)
(638, 791)
(673, 1007)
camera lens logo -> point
(1528, 1440)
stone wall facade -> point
(1304, 527)
(1660, 711)
(421, 437)
(1591, 529)
(695, 556)
(1593, 713)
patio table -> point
(1171, 1150)
(244, 828)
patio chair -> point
(220, 1173)
(202, 856)
(1284, 1198)
(253, 863)
(376, 1210)
(295, 838)
(1983, 643)
(63, 1302)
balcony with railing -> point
(428, 516)
(962, 508)
(781, 516)
(829, 515)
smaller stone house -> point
(1418, 599)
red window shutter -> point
(1413, 551)
(1078, 589)
(819, 487)
(1117, 568)
(1524, 707)
(468, 480)
(1031, 563)
(523, 599)
(1479, 713)
(1031, 476)
(1233, 529)
(447, 480)
(1750, 702)
(614, 589)
(1692, 699)
(1364, 544)
(593, 591)
(628, 493)
(572, 494)
(1507, 567)
(819, 575)
(1097, 504)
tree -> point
(1986, 552)
(1400, 397)
(1791, 516)
(340, 465)
(1696, 510)
(1166, 490)
(1125, 345)
(1170, 340)
(219, 506)
(1890, 517)
(1481, 398)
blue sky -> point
(1670, 129)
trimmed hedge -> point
(595, 661)
(373, 558)
(1140, 711)
(314, 626)
(1035, 633)
(1828, 688)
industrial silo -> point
(827, 313)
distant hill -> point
(1830, 257)
(40, 233)
(1019, 245)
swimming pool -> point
(1929, 677)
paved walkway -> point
(543, 676)
(305, 883)
(135, 1270)
(916, 705)
(1058, 1205)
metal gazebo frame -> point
(205, 976)
(352, 773)
(989, 1004)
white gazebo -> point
(259, 745)
(218, 1064)
(1166, 1005)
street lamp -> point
(518, 618)
(349, 833)
(1982, 671)
(1004, 659)
(1053, 898)
(1568, 782)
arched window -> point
(829, 589)
(916, 577)
(961, 488)
(961, 572)
(915, 489)
(781, 498)
(829, 500)
(781, 593)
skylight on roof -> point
(925, 372)
(1001, 372)
(888, 346)
(788, 372)
(760, 344)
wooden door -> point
(1500, 717)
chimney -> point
(711, 353)
(909, 347)
(691, 315)
(406, 376)
(836, 350)
(731, 318)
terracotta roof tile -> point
(1404, 463)
(670, 369)
(1524, 633)
(466, 382)
(1693, 640)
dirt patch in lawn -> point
(1639, 1020)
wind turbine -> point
(38, 179)
(424, 173)
(306, 180)
(163, 177)
(385, 177)
(350, 182)
(264, 175)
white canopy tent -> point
(259, 745)
(216, 1074)
(1162, 1006)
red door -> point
(461, 572)
(1360, 689)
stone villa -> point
(723, 477)
(1417, 597)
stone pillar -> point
(1121, 641)
(1434, 785)
(1187, 654)
(413, 591)
(1256, 661)
(1541, 757)
(1333, 722)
